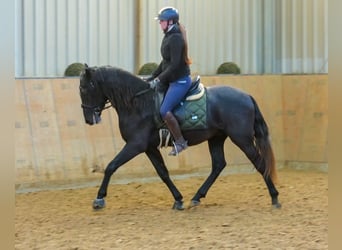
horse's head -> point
(92, 98)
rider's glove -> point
(147, 78)
(154, 83)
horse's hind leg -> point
(248, 147)
(218, 164)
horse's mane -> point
(122, 86)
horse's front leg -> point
(128, 152)
(158, 162)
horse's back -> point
(229, 98)
(230, 109)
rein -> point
(142, 92)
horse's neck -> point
(126, 100)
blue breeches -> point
(175, 94)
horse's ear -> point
(88, 70)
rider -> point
(173, 71)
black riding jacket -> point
(173, 65)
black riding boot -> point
(180, 143)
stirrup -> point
(178, 147)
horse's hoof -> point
(98, 204)
(194, 203)
(178, 205)
(276, 205)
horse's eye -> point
(82, 90)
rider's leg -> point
(174, 95)
(180, 143)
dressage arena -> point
(236, 214)
(58, 175)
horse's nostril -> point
(88, 122)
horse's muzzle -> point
(95, 118)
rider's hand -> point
(154, 83)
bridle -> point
(96, 108)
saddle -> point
(190, 113)
(196, 90)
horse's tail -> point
(263, 144)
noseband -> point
(96, 108)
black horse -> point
(230, 113)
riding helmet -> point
(168, 13)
